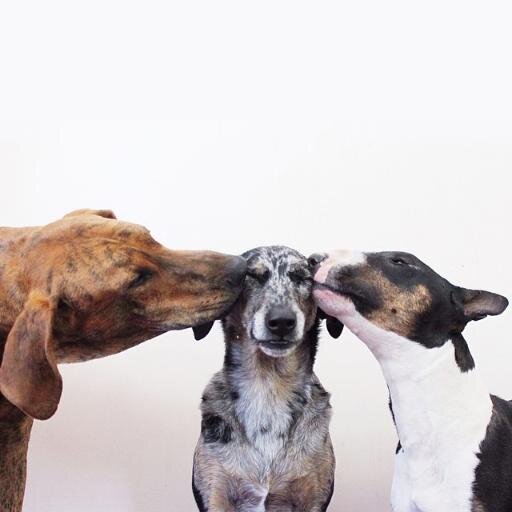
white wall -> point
(227, 125)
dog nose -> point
(315, 259)
(235, 269)
(281, 321)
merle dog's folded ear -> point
(201, 331)
(29, 377)
(477, 304)
(334, 326)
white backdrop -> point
(227, 125)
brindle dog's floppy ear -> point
(334, 326)
(201, 331)
(29, 377)
(477, 304)
(108, 214)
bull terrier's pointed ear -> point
(201, 331)
(29, 377)
(477, 304)
(107, 214)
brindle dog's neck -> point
(15, 426)
(12, 295)
(13, 285)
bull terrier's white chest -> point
(429, 486)
(441, 421)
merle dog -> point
(455, 451)
(265, 443)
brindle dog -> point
(265, 443)
(83, 287)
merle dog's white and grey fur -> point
(264, 443)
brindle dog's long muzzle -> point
(232, 280)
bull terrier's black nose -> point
(235, 270)
(281, 321)
(315, 259)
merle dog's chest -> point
(266, 428)
(268, 416)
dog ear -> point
(334, 326)
(107, 214)
(201, 331)
(477, 304)
(29, 377)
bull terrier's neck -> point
(432, 399)
(439, 410)
(441, 415)
(267, 392)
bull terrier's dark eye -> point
(260, 274)
(142, 276)
(399, 261)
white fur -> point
(441, 414)
(341, 258)
(259, 329)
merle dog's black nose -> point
(315, 259)
(281, 321)
(235, 270)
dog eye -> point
(260, 275)
(143, 275)
(399, 261)
(299, 276)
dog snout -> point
(315, 259)
(235, 269)
(281, 321)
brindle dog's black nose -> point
(315, 259)
(235, 270)
(281, 321)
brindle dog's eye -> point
(143, 275)
(399, 261)
(261, 275)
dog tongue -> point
(200, 331)
(334, 326)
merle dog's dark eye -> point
(261, 275)
(143, 275)
(299, 276)
(399, 261)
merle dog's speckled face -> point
(276, 307)
(399, 293)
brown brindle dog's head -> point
(92, 286)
